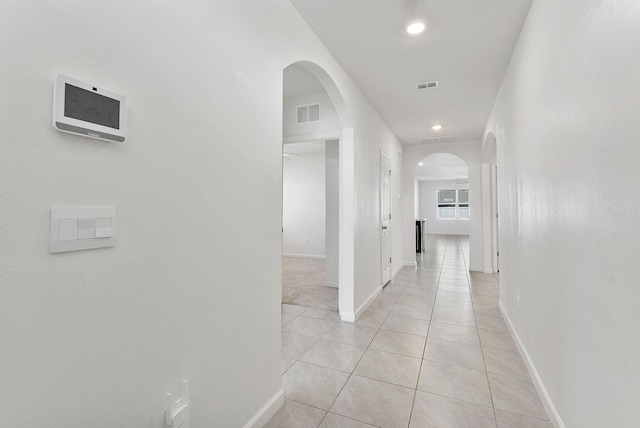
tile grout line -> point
(354, 368)
(484, 362)
(449, 249)
(426, 339)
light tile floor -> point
(432, 351)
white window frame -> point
(456, 204)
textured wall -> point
(192, 287)
(304, 206)
(566, 123)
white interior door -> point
(385, 211)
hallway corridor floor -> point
(432, 351)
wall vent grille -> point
(308, 113)
(436, 140)
(428, 85)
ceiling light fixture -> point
(416, 28)
(436, 127)
(420, 163)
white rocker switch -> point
(81, 228)
(103, 228)
(68, 229)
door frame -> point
(495, 220)
(385, 223)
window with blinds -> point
(453, 204)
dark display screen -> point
(91, 107)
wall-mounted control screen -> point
(81, 108)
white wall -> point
(428, 208)
(373, 138)
(566, 123)
(192, 287)
(468, 151)
(303, 196)
(332, 214)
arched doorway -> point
(442, 190)
(467, 151)
(314, 112)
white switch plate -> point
(68, 229)
(86, 228)
(95, 228)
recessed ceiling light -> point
(420, 163)
(416, 27)
(436, 127)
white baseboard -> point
(331, 284)
(352, 317)
(488, 270)
(410, 264)
(304, 256)
(397, 271)
(475, 269)
(267, 411)
(348, 317)
(552, 412)
(363, 307)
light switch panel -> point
(86, 228)
(103, 228)
(81, 228)
(68, 229)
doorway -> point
(491, 217)
(442, 196)
(310, 224)
(385, 217)
(495, 220)
(303, 83)
(312, 130)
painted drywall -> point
(329, 122)
(468, 151)
(303, 201)
(428, 208)
(374, 139)
(192, 288)
(332, 212)
(566, 125)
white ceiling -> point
(467, 47)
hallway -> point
(431, 351)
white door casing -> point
(385, 217)
(495, 220)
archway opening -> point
(317, 164)
(441, 199)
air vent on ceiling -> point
(428, 85)
(435, 140)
